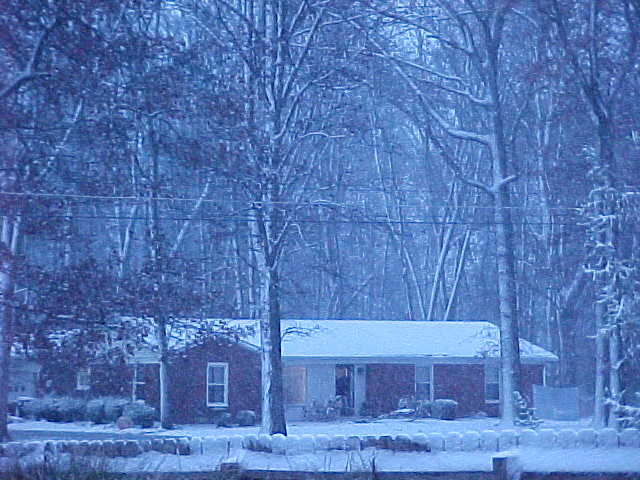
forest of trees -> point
(409, 159)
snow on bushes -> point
(98, 410)
(444, 409)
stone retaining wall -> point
(95, 448)
(488, 440)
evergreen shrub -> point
(141, 414)
(71, 409)
(95, 411)
(444, 409)
(114, 408)
(32, 408)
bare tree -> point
(472, 31)
(601, 83)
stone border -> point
(95, 448)
(487, 440)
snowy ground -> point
(343, 427)
(532, 460)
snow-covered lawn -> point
(532, 460)
(343, 427)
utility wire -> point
(319, 203)
(228, 218)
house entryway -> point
(344, 386)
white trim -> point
(225, 384)
(137, 385)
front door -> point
(344, 384)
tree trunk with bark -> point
(163, 372)
(273, 415)
(6, 327)
(600, 410)
(614, 374)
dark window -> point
(423, 383)
(491, 383)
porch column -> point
(359, 387)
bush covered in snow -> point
(140, 414)
(627, 416)
(98, 410)
(444, 409)
(71, 409)
(32, 408)
(95, 411)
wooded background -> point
(422, 160)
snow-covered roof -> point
(355, 339)
(393, 339)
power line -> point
(319, 203)
(230, 218)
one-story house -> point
(376, 363)
(23, 378)
(371, 364)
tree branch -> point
(30, 72)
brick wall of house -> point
(463, 383)
(386, 384)
(531, 375)
(189, 378)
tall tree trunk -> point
(6, 331)
(163, 373)
(157, 261)
(509, 341)
(614, 373)
(9, 236)
(509, 333)
(273, 417)
(600, 411)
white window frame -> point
(415, 380)
(225, 384)
(138, 383)
(488, 365)
(83, 374)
